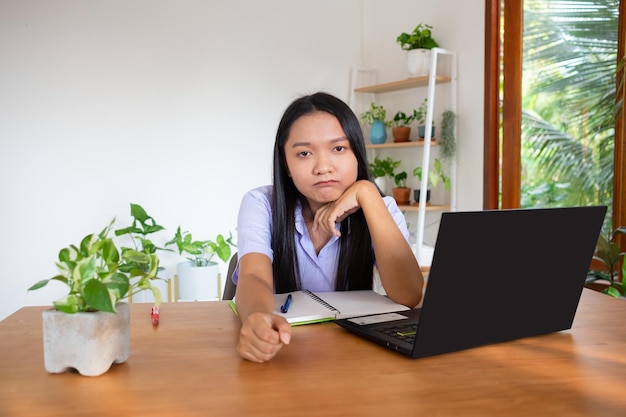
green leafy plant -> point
(435, 175)
(92, 271)
(202, 251)
(609, 254)
(420, 38)
(142, 226)
(383, 167)
(375, 112)
(420, 114)
(447, 143)
(400, 179)
(401, 119)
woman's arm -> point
(254, 285)
(262, 333)
(399, 271)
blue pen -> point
(285, 307)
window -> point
(503, 110)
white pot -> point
(382, 184)
(87, 342)
(418, 62)
(197, 283)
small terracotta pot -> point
(401, 195)
(401, 134)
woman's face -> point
(319, 158)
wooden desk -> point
(188, 366)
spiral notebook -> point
(315, 307)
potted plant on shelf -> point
(376, 117)
(401, 130)
(197, 278)
(418, 44)
(382, 169)
(435, 176)
(89, 328)
(142, 226)
(604, 273)
(401, 193)
(420, 117)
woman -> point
(323, 225)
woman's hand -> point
(262, 335)
(349, 202)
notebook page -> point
(360, 303)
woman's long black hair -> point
(356, 258)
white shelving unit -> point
(430, 82)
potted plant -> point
(142, 226)
(401, 130)
(420, 117)
(418, 44)
(435, 176)
(376, 117)
(89, 328)
(605, 265)
(401, 193)
(382, 169)
(197, 278)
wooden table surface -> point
(188, 366)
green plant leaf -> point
(139, 213)
(117, 286)
(71, 303)
(222, 249)
(38, 285)
(97, 296)
(421, 37)
(612, 292)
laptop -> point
(496, 276)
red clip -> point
(154, 313)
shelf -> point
(399, 145)
(429, 207)
(401, 85)
(413, 149)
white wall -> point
(174, 105)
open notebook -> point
(315, 307)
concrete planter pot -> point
(87, 342)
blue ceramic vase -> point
(378, 132)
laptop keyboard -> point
(405, 333)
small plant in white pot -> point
(89, 329)
(197, 278)
(418, 44)
(382, 170)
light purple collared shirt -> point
(318, 272)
